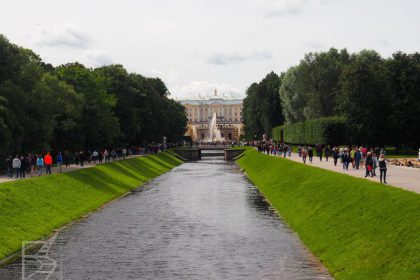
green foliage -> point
(328, 130)
(375, 95)
(364, 99)
(72, 107)
(31, 209)
(403, 71)
(262, 109)
(359, 229)
(310, 89)
(277, 134)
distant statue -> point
(215, 92)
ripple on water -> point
(202, 220)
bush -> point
(328, 130)
(278, 133)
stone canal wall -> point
(189, 154)
(359, 229)
(231, 154)
(31, 209)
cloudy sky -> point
(196, 46)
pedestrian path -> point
(402, 177)
(54, 169)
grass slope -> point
(33, 208)
(359, 229)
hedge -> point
(328, 130)
(277, 133)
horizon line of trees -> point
(72, 107)
(379, 97)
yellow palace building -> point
(200, 112)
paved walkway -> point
(3, 177)
(402, 177)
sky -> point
(197, 46)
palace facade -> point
(200, 112)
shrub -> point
(328, 130)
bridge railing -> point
(211, 146)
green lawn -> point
(359, 229)
(31, 209)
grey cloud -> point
(233, 58)
(98, 58)
(67, 37)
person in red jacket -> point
(48, 163)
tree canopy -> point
(72, 107)
(262, 108)
(379, 97)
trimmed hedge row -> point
(328, 130)
(277, 133)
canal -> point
(202, 220)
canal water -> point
(202, 220)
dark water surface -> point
(202, 220)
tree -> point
(262, 108)
(403, 79)
(364, 100)
(99, 127)
(311, 89)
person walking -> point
(375, 164)
(327, 152)
(16, 165)
(76, 158)
(95, 155)
(346, 160)
(320, 151)
(9, 167)
(100, 156)
(369, 164)
(352, 159)
(82, 159)
(106, 156)
(66, 158)
(33, 164)
(357, 157)
(48, 163)
(382, 168)
(39, 164)
(335, 155)
(23, 165)
(304, 155)
(59, 162)
(310, 153)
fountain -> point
(214, 133)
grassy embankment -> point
(359, 229)
(31, 209)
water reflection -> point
(202, 220)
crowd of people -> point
(37, 164)
(359, 157)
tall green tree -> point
(99, 125)
(311, 89)
(364, 99)
(262, 108)
(403, 79)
